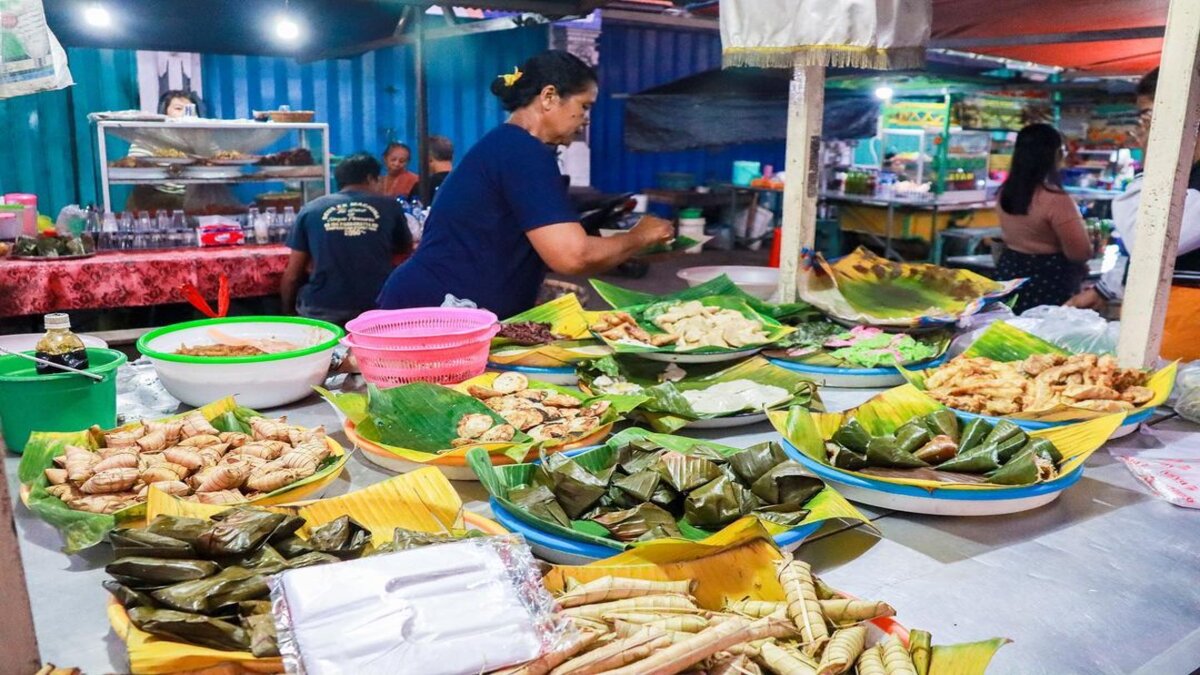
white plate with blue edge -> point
(561, 550)
(1132, 420)
(855, 378)
(935, 501)
(563, 376)
(687, 357)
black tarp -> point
(730, 106)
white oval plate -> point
(401, 465)
(741, 420)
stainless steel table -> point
(1103, 580)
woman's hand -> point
(652, 230)
(1089, 299)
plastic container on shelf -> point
(30, 202)
(691, 225)
(62, 402)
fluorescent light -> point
(884, 93)
(287, 29)
(96, 15)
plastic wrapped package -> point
(1187, 392)
(460, 608)
(1076, 330)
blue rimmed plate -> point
(565, 551)
(936, 502)
(1127, 427)
(563, 376)
(855, 378)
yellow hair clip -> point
(511, 78)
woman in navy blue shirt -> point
(503, 216)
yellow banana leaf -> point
(423, 500)
(82, 529)
(567, 318)
(1005, 343)
(864, 288)
(750, 552)
(882, 414)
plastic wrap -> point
(1076, 330)
(460, 608)
(1187, 392)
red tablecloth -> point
(137, 278)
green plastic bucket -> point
(66, 402)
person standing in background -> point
(1183, 309)
(441, 160)
(162, 196)
(347, 241)
(1045, 240)
(399, 181)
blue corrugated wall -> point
(633, 58)
(48, 146)
(368, 99)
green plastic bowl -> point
(65, 402)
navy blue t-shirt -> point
(351, 237)
(474, 245)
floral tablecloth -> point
(137, 278)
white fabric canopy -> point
(879, 34)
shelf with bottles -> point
(166, 230)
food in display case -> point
(294, 157)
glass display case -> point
(956, 170)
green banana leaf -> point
(81, 529)
(666, 409)
(499, 481)
(1004, 342)
(623, 298)
(644, 315)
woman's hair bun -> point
(565, 72)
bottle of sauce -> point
(59, 345)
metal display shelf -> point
(205, 137)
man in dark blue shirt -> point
(347, 242)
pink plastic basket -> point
(440, 345)
(422, 328)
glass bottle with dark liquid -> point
(59, 345)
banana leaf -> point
(177, 527)
(575, 487)
(1020, 470)
(684, 472)
(787, 483)
(539, 501)
(974, 433)
(237, 532)
(638, 487)
(809, 432)
(622, 298)
(342, 537)
(263, 640)
(644, 315)
(81, 529)
(863, 288)
(942, 423)
(128, 597)
(756, 461)
(667, 410)
(886, 451)
(567, 318)
(807, 345)
(140, 572)
(130, 542)
(1006, 343)
(501, 481)
(718, 503)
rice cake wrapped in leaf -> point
(192, 628)
(575, 488)
(705, 452)
(852, 435)
(787, 515)
(128, 597)
(237, 532)
(939, 449)
(405, 539)
(1003, 430)
(178, 527)
(310, 559)
(341, 537)
(129, 542)
(910, 436)
(539, 502)
(1026, 468)
(973, 434)
(844, 458)
(638, 455)
(664, 496)
(942, 423)
(787, 483)
(290, 526)
(290, 547)
(980, 460)
(718, 503)
(141, 572)
(884, 451)
(685, 473)
(750, 464)
(637, 488)
(636, 523)
(266, 560)
(1044, 448)
(207, 596)
(263, 641)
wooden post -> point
(806, 103)
(1160, 213)
(16, 621)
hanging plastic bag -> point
(31, 59)
(1187, 392)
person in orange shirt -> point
(399, 181)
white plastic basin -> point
(757, 281)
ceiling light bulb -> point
(287, 29)
(96, 15)
(884, 93)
